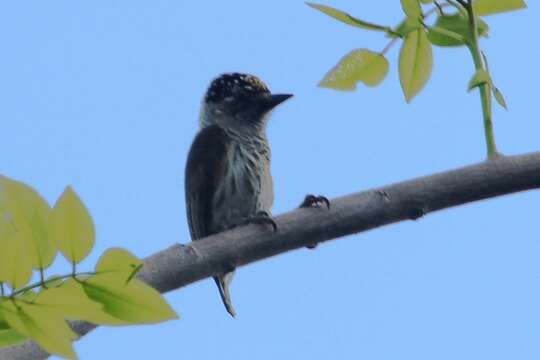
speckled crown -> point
(234, 84)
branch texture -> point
(180, 264)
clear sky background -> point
(104, 96)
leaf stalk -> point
(485, 89)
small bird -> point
(227, 180)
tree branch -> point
(180, 264)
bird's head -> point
(241, 101)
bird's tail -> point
(222, 283)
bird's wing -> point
(205, 169)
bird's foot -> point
(315, 201)
(262, 218)
(383, 194)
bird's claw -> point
(315, 201)
(383, 194)
(263, 218)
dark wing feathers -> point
(205, 169)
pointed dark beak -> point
(271, 101)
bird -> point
(227, 178)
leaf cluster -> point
(32, 233)
(451, 28)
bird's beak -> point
(271, 101)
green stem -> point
(485, 89)
(42, 278)
(389, 45)
(43, 283)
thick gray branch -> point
(180, 265)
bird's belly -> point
(240, 196)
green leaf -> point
(347, 19)
(415, 63)
(70, 301)
(359, 65)
(413, 22)
(28, 213)
(426, 1)
(442, 37)
(24, 233)
(118, 265)
(412, 9)
(8, 335)
(446, 27)
(72, 227)
(499, 97)
(490, 7)
(134, 302)
(481, 77)
(16, 259)
(47, 328)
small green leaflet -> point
(453, 30)
(412, 9)
(415, 63)
(348, 19)
(134, 302)
(359, 65)
(499, 97)
(118, 264)
(8, 335)
(71, 227)
(24, 236)
(47, 328)
(490, 7)
(481, 77)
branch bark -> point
(181, 264)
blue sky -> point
(104, 96)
